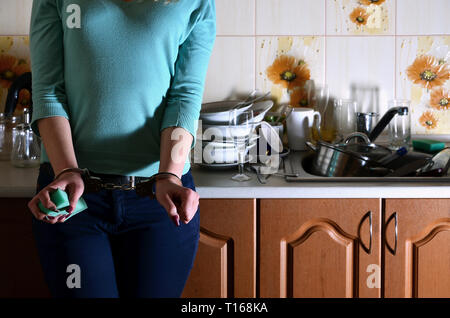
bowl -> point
(260, 109)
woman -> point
(117, 89)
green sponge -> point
(61, 200)
(427, 145)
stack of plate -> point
(218, 147)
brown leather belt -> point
(94, 182)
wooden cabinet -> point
(417, 259)
(318, 247)
(20, 270)
(284, 248)
(225, 265)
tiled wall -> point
(253, 33)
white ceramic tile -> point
(235, 17)
(381, 18)
(364, 61)
(15, 17)
(231, 70)
(419, 17)
(310, 49)
(290, 17)
(408, 48)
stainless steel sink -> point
(299, 162)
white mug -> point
(298, 125)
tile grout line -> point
(325, 35)
(255, 45)
(395, 48)
(325, 71)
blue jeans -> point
(123, 245)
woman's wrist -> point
(77, 170)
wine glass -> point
(240, 128)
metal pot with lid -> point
(348, 160)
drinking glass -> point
(240, 128)
(325, 129)
(400, 125)
(345, 112)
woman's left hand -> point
(180, 203)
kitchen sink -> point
(299, 163)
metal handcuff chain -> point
(95, 184)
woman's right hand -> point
(70, 182)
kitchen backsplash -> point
(343, 43)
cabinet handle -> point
(393, 216)
(368, 250)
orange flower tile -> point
(440, 99)
(426, 72)
(369, 2)
(428, 120)
(287, 72)
(299, 98)
(359, 16)
(10, 69)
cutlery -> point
(250, 99)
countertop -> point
(20, 183)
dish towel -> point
(61, 200)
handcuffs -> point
(95, 184)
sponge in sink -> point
(61, 200)
(427, 145)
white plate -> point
(224, 165)
(213, 154)
(219, 112)
(221, 142)
(221, 132)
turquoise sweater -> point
(120, 72)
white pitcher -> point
(299, 125)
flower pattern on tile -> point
(23, 102)
(14, 61)
(304, 53)
(427, 72)
(424, 69)
(10, 69)
(359, 16)
(299, 98)
(288, 72)
(428, 120)
(440, 98)
(369, 2)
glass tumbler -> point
(400, 125)
(7, 125)
(345, 112)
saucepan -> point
(341, 160)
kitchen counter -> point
(20, 183)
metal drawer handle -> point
(368, 250)
(393, 250)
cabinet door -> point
(225, 265)
(417, 264)
(320, 248)
(20, 271)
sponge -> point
(427, 145)
(61, 200)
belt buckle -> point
(132, 181)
